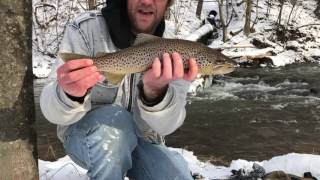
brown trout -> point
(140, 56)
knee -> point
(109, 116)
(108, 123)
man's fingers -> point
(193, 70)
(80, 88)
(167, 67)
(178, 70)
(74, 65)
(89, 81)
(78, 74)
(155, 71)
(156, 68)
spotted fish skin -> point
(139, 58)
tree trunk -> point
(199, 8)
(280, 12)
(294, 3)
(268, 2)
(246, 28)
(222, 20)
(18, 157)
(92, 4)
(225, 33)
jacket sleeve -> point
(58, 108)
(55, 105)
(165, 117)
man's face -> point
(145, 15)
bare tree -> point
(178, 12)
(18, 157)
(294, 4)
(92, 4)
(225, 21)
(49, 23)
(50, 19)
(269, 4)
(280, 11)
(199, 8)
(246, 29)
(255, 21)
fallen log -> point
(203, 30)
(250, 54)
(234, 46)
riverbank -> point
(65, 168)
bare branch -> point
(81, 5)
(314, 24)
(46, 21)
(255, 21)
(232, 14)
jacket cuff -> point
(70, 104)
(143, 98)
(165, 117)
(158, 106)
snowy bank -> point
(292, 163)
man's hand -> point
(77, 76)
(156, 80)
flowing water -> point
(252, 113)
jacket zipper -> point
(131, 92)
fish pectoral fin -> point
(71, 56)
(144, 38)
(114, 79)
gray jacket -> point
(88, 35)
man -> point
(110, 130)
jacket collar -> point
(116, 16)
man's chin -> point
(144, 29)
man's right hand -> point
(77, 76)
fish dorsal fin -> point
(114, 79)
(71, 56)
(100, 54)
(144, 38)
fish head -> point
(215, 63)
(223, 68)
(217, 69)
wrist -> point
(79, 99)
(151, 98)
(75, 98)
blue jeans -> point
(104, 142)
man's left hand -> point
(156, 79)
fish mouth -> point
(224, 68)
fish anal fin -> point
(114, 79)
(71, 56)
(144, 38)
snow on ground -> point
(287, 57)
(292, 163)
(63, 168)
